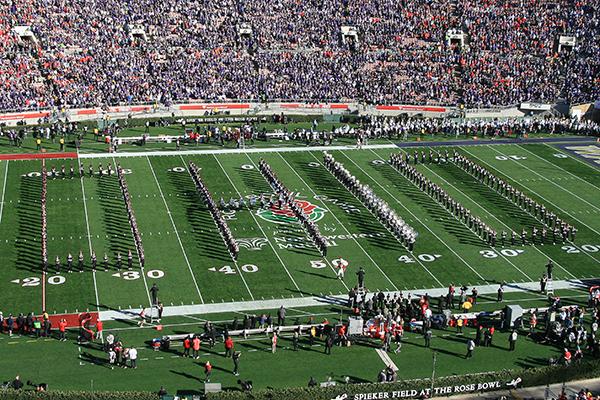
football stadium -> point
(323, 200)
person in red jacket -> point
(195, 346)
(187, 343)
(567, 357)
(228, 346)
(207, 371)
(99, 329)
(62, 326)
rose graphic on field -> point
(285, 215)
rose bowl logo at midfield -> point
(285, 215)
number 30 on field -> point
(133, 275)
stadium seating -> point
(98, 52)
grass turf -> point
(186, 257)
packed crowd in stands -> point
(90, 53)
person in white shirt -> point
(133, 357)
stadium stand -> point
(99, 52)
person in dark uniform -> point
(94, 261)
(501, 292)
(70, 263)
(328, 344)
(543, 282)
(427, 337)
(129, 260)
(361, 277)
(57, 265)
(295, 338)
(236, 362)
(80, 259)
(119, 261)
(105, 261)
(549, 268)
(154, 294)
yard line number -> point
(422, 257)
(133, 275)
(504, 252)
(590, 248)
(35, 281)
(511, 157)
(228, 270)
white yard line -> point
(541, 197)
(386, 359)
(3, 191)
(235, 151)
(333, 215)
(559, 167)
(234, 261)
(208, 308)
(140, 261)
(356, 241)
(261, 228)
(548, 180)
(571, 156)
(416, 218)
(87, 225)
(187, 261)
(502, 223)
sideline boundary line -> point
(391, 145)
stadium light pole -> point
(433, 372)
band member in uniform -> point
(80, 259)
(129, 260)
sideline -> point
(461, 142)
(199, 309)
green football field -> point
(187, 259)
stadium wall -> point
(249, 108)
